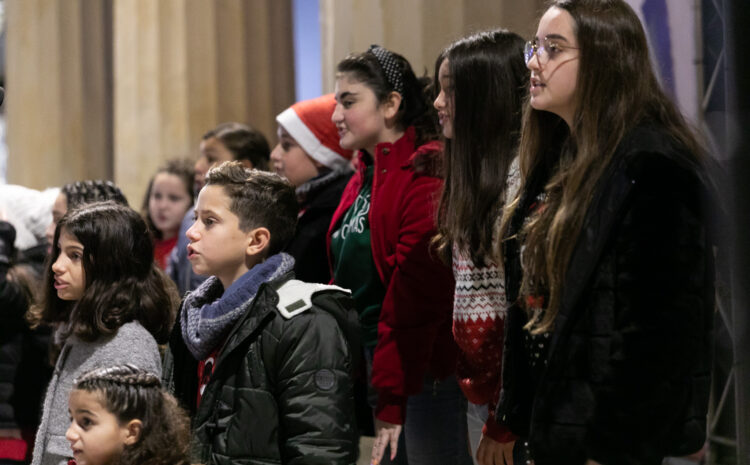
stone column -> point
(58, 91)
(183, 66)
(112, 88)
(417, 29)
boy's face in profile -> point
(218, 247)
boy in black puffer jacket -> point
(261, 360)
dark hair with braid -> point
(130, 393)
(81, 192)
(123, 283)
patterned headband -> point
(390, 67)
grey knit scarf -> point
(209, 313)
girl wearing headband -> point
(608, 258)
(379, 243)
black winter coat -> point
(281, 389)
(308, 247)
(628, 367)
(24, 365)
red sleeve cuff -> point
(391, 408)
(497, 432)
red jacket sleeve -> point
(417, 306)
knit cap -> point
(309, 123)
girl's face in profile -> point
(95, 435)
(70, 278)
(554, 66)
(444, 101)
(291, 161)
(359, 117)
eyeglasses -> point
(545, 51)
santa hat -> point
(309, 123)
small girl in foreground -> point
(121, 415)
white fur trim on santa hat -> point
(307, 140)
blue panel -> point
(656, 18)
(308, 77)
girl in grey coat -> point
(110, 303)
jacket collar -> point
(262, 307)
(425, 159)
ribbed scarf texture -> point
(209, 313)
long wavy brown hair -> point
(616, 90)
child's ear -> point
(132, 432)
(391, 105)
(258, 240)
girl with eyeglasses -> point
(607, 253)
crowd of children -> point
(492, 258)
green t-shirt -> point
(353, 265)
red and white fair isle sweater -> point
(479, 310)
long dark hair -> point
(122, 282)
(416, 98)
(130, 393)
(616, 90)
(489, 85)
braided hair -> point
(130, 393)
(81, 192)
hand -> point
(491, 452)
(385, 434)
(698, 455)
(592, 462)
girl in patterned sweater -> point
(481, 79)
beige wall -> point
(417, 29)
(57, 91)
(111, 88)
(183, 66)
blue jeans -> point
(435, 429)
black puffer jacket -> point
(281, 390)
(628, 366)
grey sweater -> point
(131, 344)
